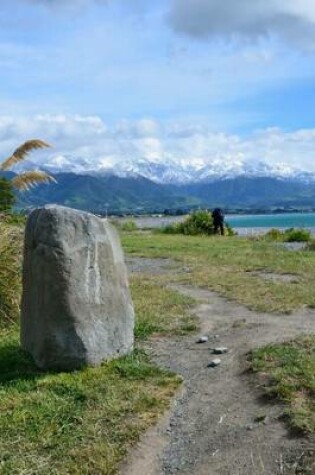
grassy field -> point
(83, 422)
(229, 266)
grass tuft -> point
(10, 273)
(80, 422)
(160, 310)
(290, 369)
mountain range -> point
(198, 171)
(170, 171)
(142, 185)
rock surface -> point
(76, 304)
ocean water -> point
(286, 220)
(245, 224)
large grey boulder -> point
(76, 305)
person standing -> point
(218, 221)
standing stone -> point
(76, 305)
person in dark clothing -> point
(218, 221)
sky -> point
(182, 80)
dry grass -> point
(22, 151)
(10, 273)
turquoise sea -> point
(285, 220)
(243, 224)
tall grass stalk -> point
(10, 273)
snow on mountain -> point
(183, 173)
(175, 172)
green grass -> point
(290, 369)
(167, 312)
(81, 422)
(75, 423)
(228, 266)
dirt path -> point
(212, 428)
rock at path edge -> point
(76, 304)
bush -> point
(10, 273)
(311, 245)
(289, 235)
(297, 235)
(128, 226)
(199, 222)
(11, 218)
(274, 235)
(7, 197)
(228, 230)
(124, 225)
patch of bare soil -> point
(220, 424)
(152, 266)
(274, 277)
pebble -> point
(203, 339)
(214, 363)
(220, 351)
(260, 418)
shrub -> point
(274, 235)
(128, 226)
(197, 223)
(10, 273)
(297, 235)
(228, 230)
(9, 218)
(311, 245)
(171, 229)
(289, 235)
(7, 198)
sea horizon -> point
(247, 224)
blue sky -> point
(107, 80)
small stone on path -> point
(220, 351)
(203, 339)
(214, 363)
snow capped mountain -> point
(175, 172)
(184, 173)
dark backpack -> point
(217, 214)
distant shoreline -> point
(244, 225)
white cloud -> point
(141, 128)
(291, 20)
(86, 143)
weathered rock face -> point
(76, 305)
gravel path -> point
(213, 427)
